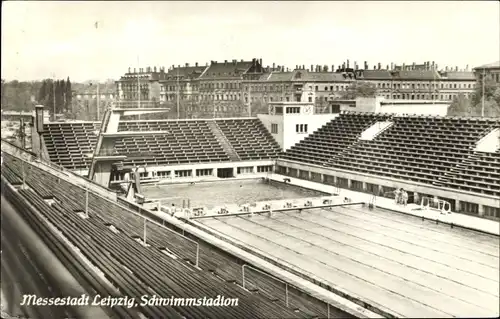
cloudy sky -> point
(40, 39)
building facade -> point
(140, 85)
(491, 69)
(236, 87)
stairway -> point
(223, 141)
(454, 171)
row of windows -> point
(301, 128)
(464, 207)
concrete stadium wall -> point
(416, 187)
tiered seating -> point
(68, 144)
(249, 138)
(149, 266)
(482, 175)
(183, 142)
(417, 148)
(331, 139)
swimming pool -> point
(211, 194)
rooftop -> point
(232, 68)
(494, 65)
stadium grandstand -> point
(295, 214)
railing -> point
(266, 274)
(68, 175)
(138, 210)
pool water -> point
(211, 194)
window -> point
(274, 128)
(292, 110)
(301, 128)
(310, 99)
(183, 173)
(264, 169)
(316, 88)
(163, 174)
(204, 172)
(245, 170)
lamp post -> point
(39, 127)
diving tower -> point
(103, 156)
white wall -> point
(490, 142)
(439, 108)
(314, 122)
(287, 135)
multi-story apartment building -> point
(140, 85)
(419, 81)
(220, 85)
(181, 83)
(231, 87)
(491, 69)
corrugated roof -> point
(376, 75)
(417, 75)
(306, 76)
(227, 69)
(459, 75)
(280, 76)
(489, 66)
(185, 72)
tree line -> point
(55, 94)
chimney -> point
(343, 66)
(374, 67)
(196, 64)
(274, 65)
(155, 69)
(356, 66)
(267, 69)
(128, 69)
(432, 65)
(413, 66)
(387, 67)
(404, 67)
(225, 62)
(392, 66)
(436, 67)
(347, 63)
(260, 62)
(366, 65)
(312, 68)
(303, 67)
(456, 68)
(134, 71)
(333, 67)
(379, 65)
(446, 68)
(187, 65)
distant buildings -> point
(230, 86)
(492, 69)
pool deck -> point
(457, 219)
(385, 259)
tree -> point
(461, 106)
(359, 89)
(491, 90)
(69, 95)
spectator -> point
(404, 197)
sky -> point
(43, 39)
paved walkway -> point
(407, 268)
